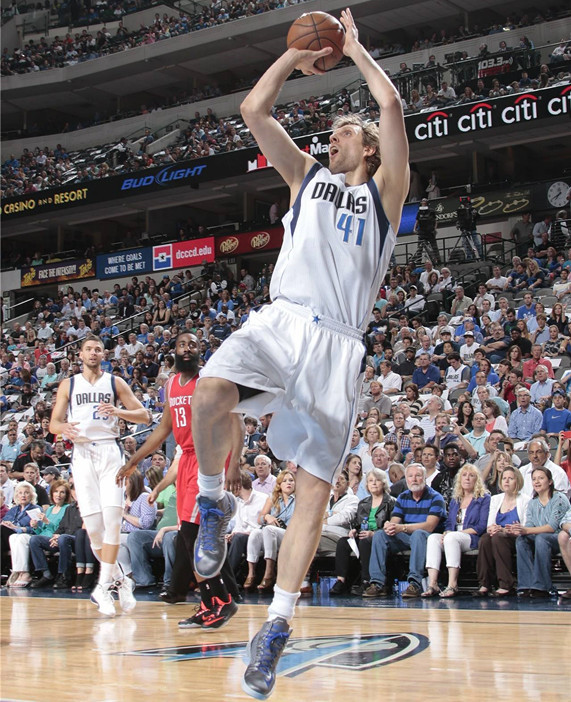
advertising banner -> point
(183, 254)
(541, 106)
(121, 263)
(57, 272)
(517, 109)
(249, 242)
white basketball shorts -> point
(309, 370)
(94, 466)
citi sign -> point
(527, 107)
(560, 105)
(436, 126)
(524, 109)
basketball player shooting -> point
(216, 603)
(86, 412)
(301, 357)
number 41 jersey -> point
(180, 397)
(336, 249)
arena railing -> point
(129, 324)
(9, 308)
(495, 251)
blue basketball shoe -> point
(264, 652)
(210, 548)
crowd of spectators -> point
(84, 46)
(449, 406)
(74, 13)
(208, 135)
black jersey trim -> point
(71, 384)
(297, 204)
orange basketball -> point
(315, 31)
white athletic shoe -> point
(124, 588)
(102, 597)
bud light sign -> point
(172, 175)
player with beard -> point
(217, 605)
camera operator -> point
(425, 227)
(466, 217)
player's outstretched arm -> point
(392, 178)
(274, 142)
(58, 421)
(153, 442)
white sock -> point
(211, 486)
(106, 573)
(283, 604)
(118, 572)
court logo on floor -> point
(345, 652)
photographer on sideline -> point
(425, 227)
(466, 217)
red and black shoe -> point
(197, 619)
(220, 613)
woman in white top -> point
(497, 545)
(494, 419)
(372, 435)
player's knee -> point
(214, 397)
(112, 517)
(96, 541)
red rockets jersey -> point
(180, 398)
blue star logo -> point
(316, 319)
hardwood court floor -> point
(60, 650)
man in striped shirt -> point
(418, 512)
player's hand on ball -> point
(306, 60)
(351, 32)
(125, 473)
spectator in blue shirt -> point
(418, 512)
(527, 309)
(143, 335)
(427, 375)
(482, 364)
(526, 420)
(541, 389)
(222, 329)
(108, 332)
(496, 345)
(556, 418)
(12, 448)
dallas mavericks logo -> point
(345, 652)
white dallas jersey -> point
(454, 377)
(336, 249)
(84, 399)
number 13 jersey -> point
(336, 249)
(180, 398)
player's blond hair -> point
(370, 132)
